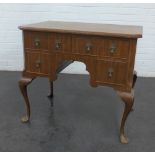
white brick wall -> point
(13, 15)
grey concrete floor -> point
(82, 118)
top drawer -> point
(60, 42)
(87, 45)
(36, 40)
(115, 48)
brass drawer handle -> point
(110, 72)
(58, 45)
(38, 63)
(37, 42)
(113, 48)
(88, 47)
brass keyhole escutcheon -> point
(37, 42)
(113, 48)
(58, 45)
(38, 63)
(88, 47)
(110, 72)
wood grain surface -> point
(86, 28)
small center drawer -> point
(112, 72)
(86, 45)
(115, 48)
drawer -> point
(87, 45)
(60, 42)
(31, 60)
(37, 62)
(111, 72)
(115, 48)
(36, 40)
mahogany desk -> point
(108, 52)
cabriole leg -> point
(134, 79)
(128, 99)
(51, 89)
(23, 83)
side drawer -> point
(36, 40)
(112, 72)
(37, 62)
(115, 48)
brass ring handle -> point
(113, 48)
(37, 42)
(38, 63)
(110, 72)
(88, 47)
(58, 45)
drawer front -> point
(45, 65)
(110, 72)
(31, 62)
(37, 62)
(36, 40)
(60, 42)
(115, 48)
(87, 45)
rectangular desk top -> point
(99, 29)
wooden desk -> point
(107, 50)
